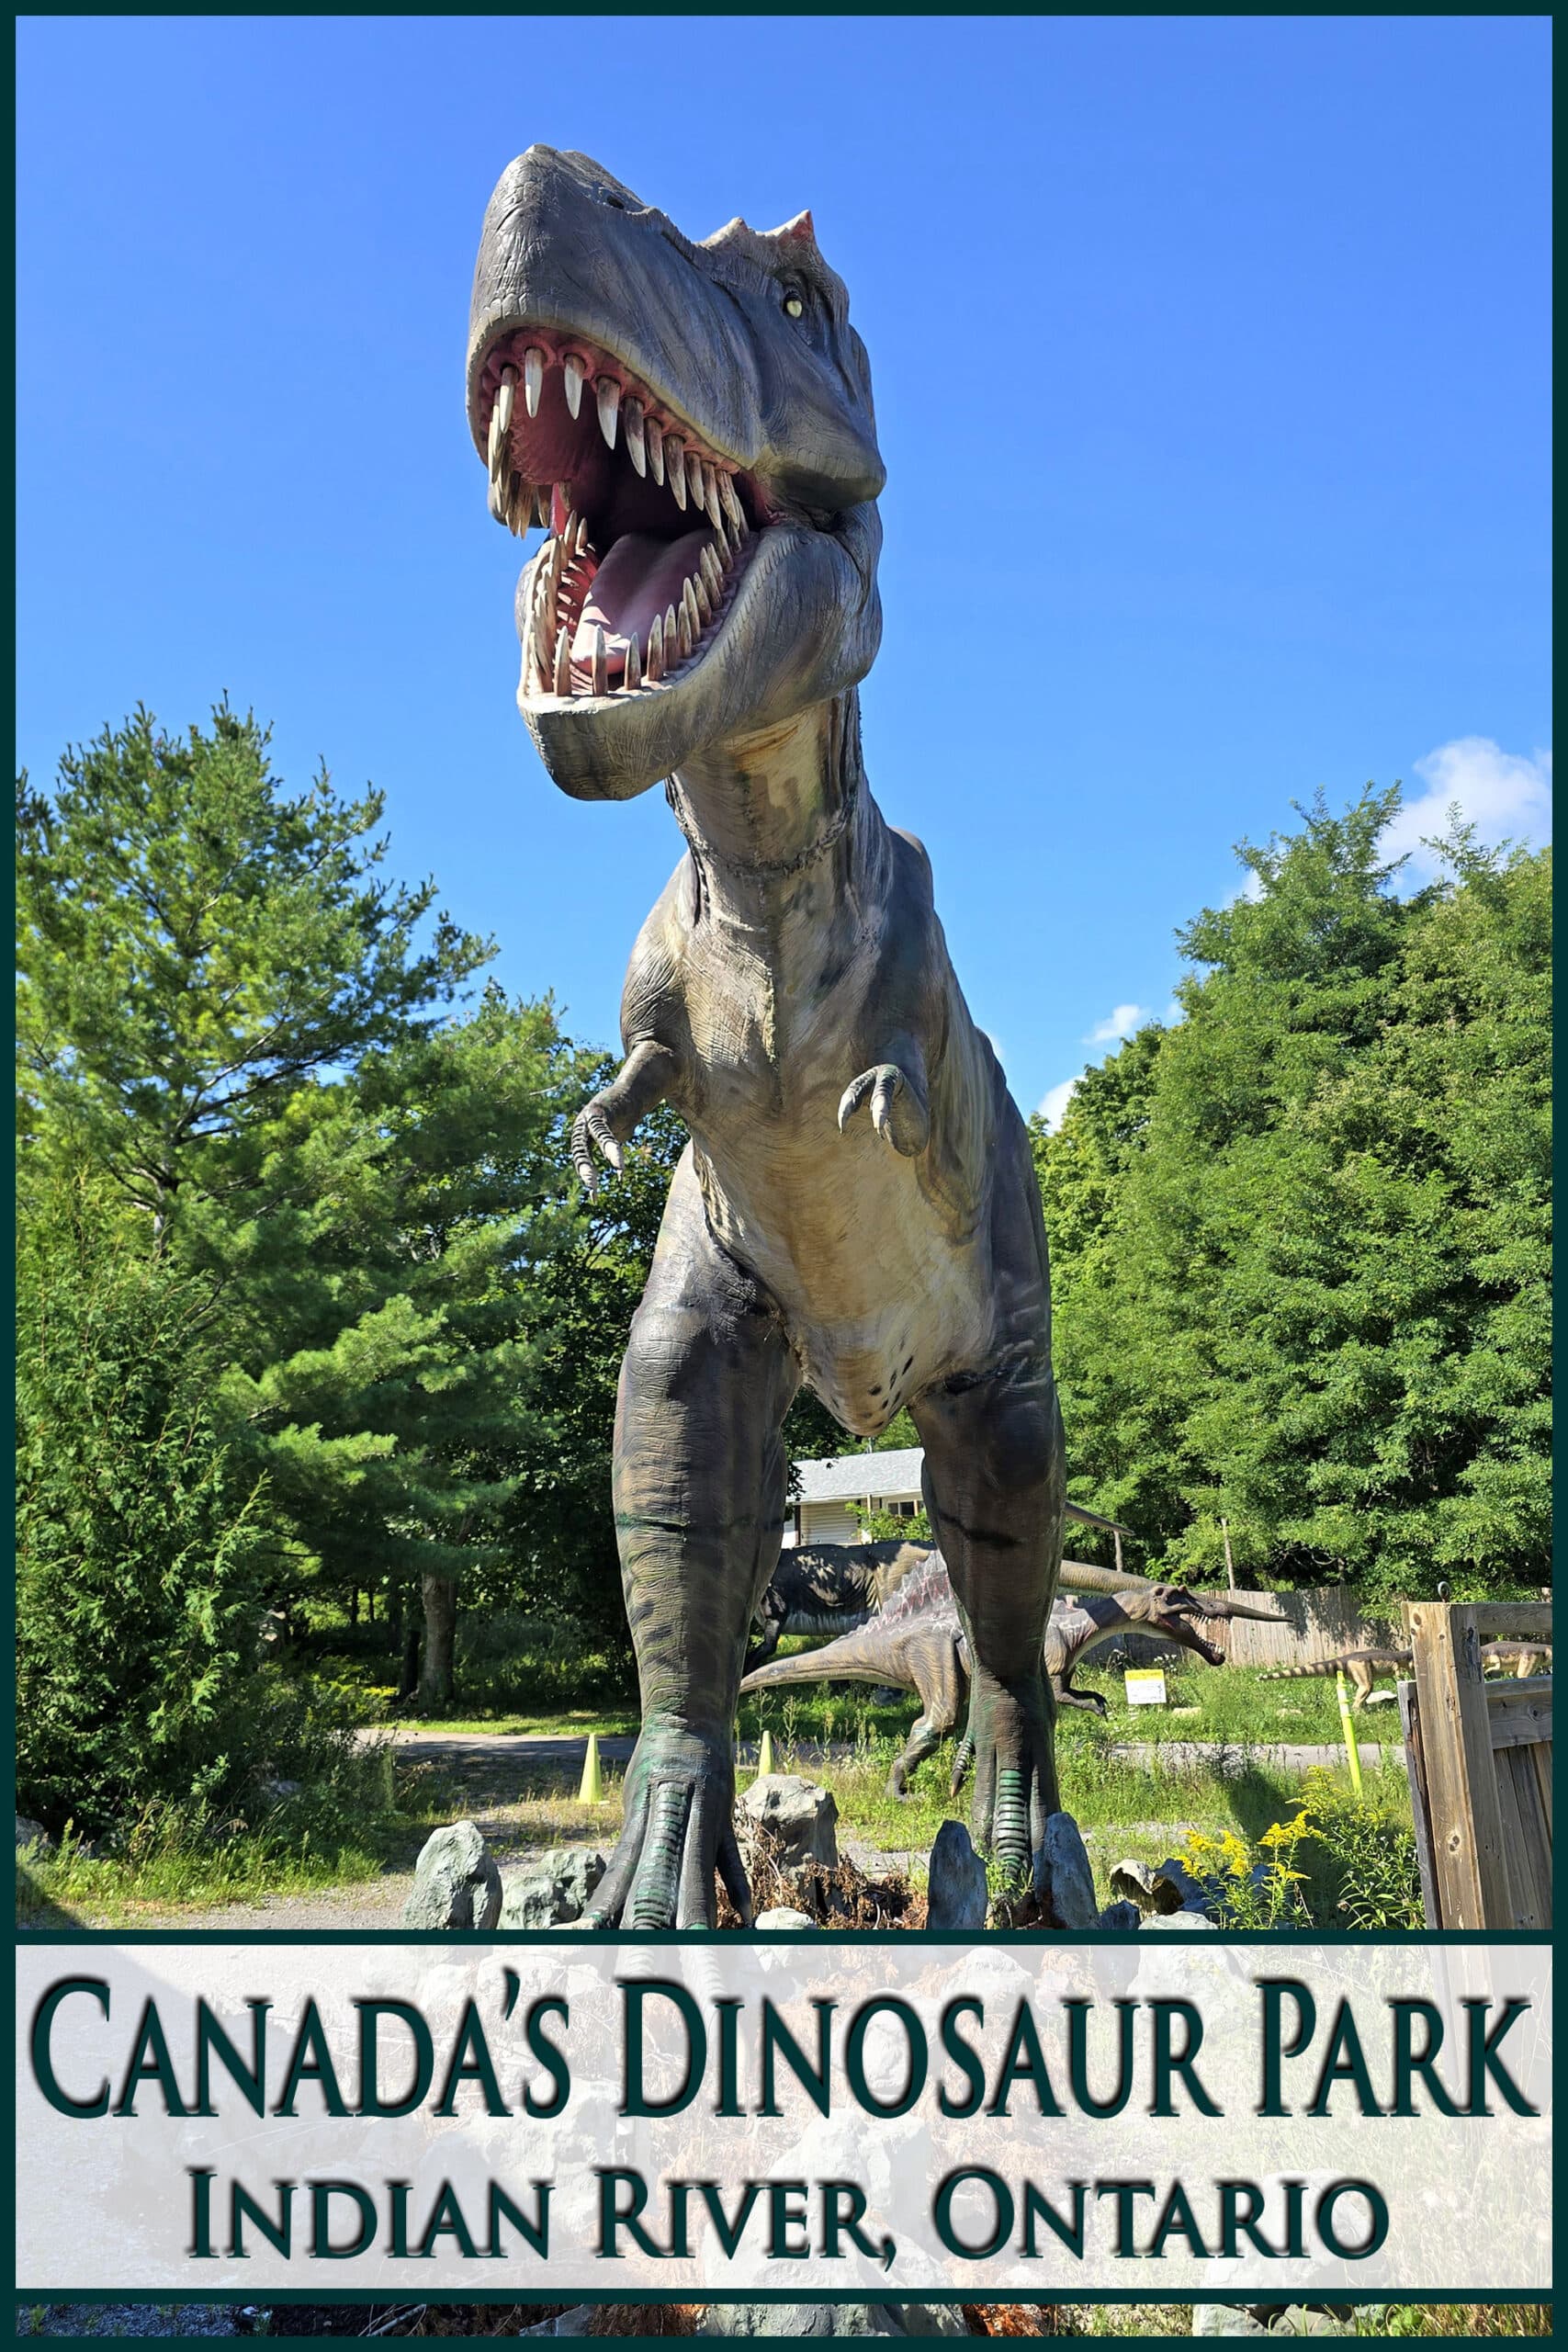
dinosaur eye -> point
(793, 307)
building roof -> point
(847, 1477)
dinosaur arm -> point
(896, 1086)
(612, 1117)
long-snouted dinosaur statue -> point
(917, 1642)
(856, 1208)
(1362, 1668)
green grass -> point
(377, 1816)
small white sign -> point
(1145, 1686)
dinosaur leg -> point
(1065, 1696)
(994, 1489)
(699, 1493)
(940, 1680)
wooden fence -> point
(1478, 1755)
(1307, 1626)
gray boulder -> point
(554, 1891)
(1068, 1880)
(1135, 1882)
(1125, 1917)
(572, 2322)
(455, 1881)
(1180, 1920)
(781, 1920)
(955, 1892)
(30, 1834)
(1225, 2319)
(794, 1821)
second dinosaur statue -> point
(1363, 1667)
(916, 1641)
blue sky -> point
(1211, 365)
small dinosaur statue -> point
(832, 1588)
(857, 1209)
(917, 1642)
(1362, 1667)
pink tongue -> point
(639, 578)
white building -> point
(833, 1497)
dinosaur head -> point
(1169, 1608)
(692, 426)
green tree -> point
(1300, 1239)
(195, 948)
(224, 1008)
(140, 1539)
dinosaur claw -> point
(899, 1112)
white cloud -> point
(1053, 1104)
(1501, 794)
(1122, 1020)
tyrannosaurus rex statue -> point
(856, 1208)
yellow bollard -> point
(1352, 1750)
(765, 1756)
(592, 1789)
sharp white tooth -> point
(684, 636)
(655, 433)
(675, 468)
(607, 392)
(672, 637)
(656, 650)
(574, 372)
(505, 397)
(631, 677)
(694, 480)
(533, 378)
(692, 607)
(731, 503)
(493, 499)
(563, 664)
(710, 484)
(580, 538)
(699, 587)
(598, 667)
(636, 447)
(713, 572)
(497, 452)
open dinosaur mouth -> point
(648, 528)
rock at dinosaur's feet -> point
(957, 1895)
(781, 1920)
(455, 1881)
(794, 1821)
(552, 1891)
(1068, 1882)
(1124, 1917)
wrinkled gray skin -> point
(918, 1643)
(857, 1208)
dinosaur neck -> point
(769, 812)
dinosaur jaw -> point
(678, 597)
(648, 526)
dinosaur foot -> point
(679, 1832)
(1015, 1774)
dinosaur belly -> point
(878, 1298)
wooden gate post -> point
(1456, 1747)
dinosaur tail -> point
(1382, 1659)
(860, 1656)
